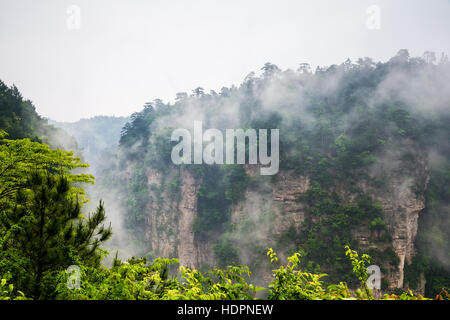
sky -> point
(78, 59)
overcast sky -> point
(118, 54)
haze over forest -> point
(357, 93)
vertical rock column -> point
(187, 207)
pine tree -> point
(44, 232)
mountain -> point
(95, 135)
(364, 160)
(18, 117)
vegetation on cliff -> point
(352, 126)
(346, 127)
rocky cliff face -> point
(402, 199)
(170, 220)
(191, 252)
(272, 209)
(162, 217)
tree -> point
(443, 60)
(429, 57)
(366, 62)
(198, 92)
(304, 68)
(7, 292)
(138, 280)
(360, 270)
(269, 69)
(44, 232)
(17, 116)
(18, 158)
(180, 96)
(402, 56)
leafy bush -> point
(135, 279)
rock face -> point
(402, 200)
(187, 251)
(161, 219)
(170, 221)
(273, 209)
(192, 253)
(279, 201)
(401, 216)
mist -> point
(293, 97)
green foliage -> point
(160, 149)
(44, 231)
(19, 158)
(377, 224)
(293, 284)
(18, 117)
(138, 128)
(433, 240)
(436, 275)
(359, 269)
(7, 292)
(235, 180)
(137, 200)
(226, 252)
(322, 238)
(174, 187)
(220, 284)
(124, 281)
(138, 280)
(213, 206)
(41, 226)
(408, 295)
(221, 186)
(337, 138)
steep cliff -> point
(401, 206)
(357, 144)
(272, 208)
(170, 219)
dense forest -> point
(357, 139)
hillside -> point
(95, 136)
(364, 160)
(18, 117)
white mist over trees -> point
(335, 124)
(353, 137)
